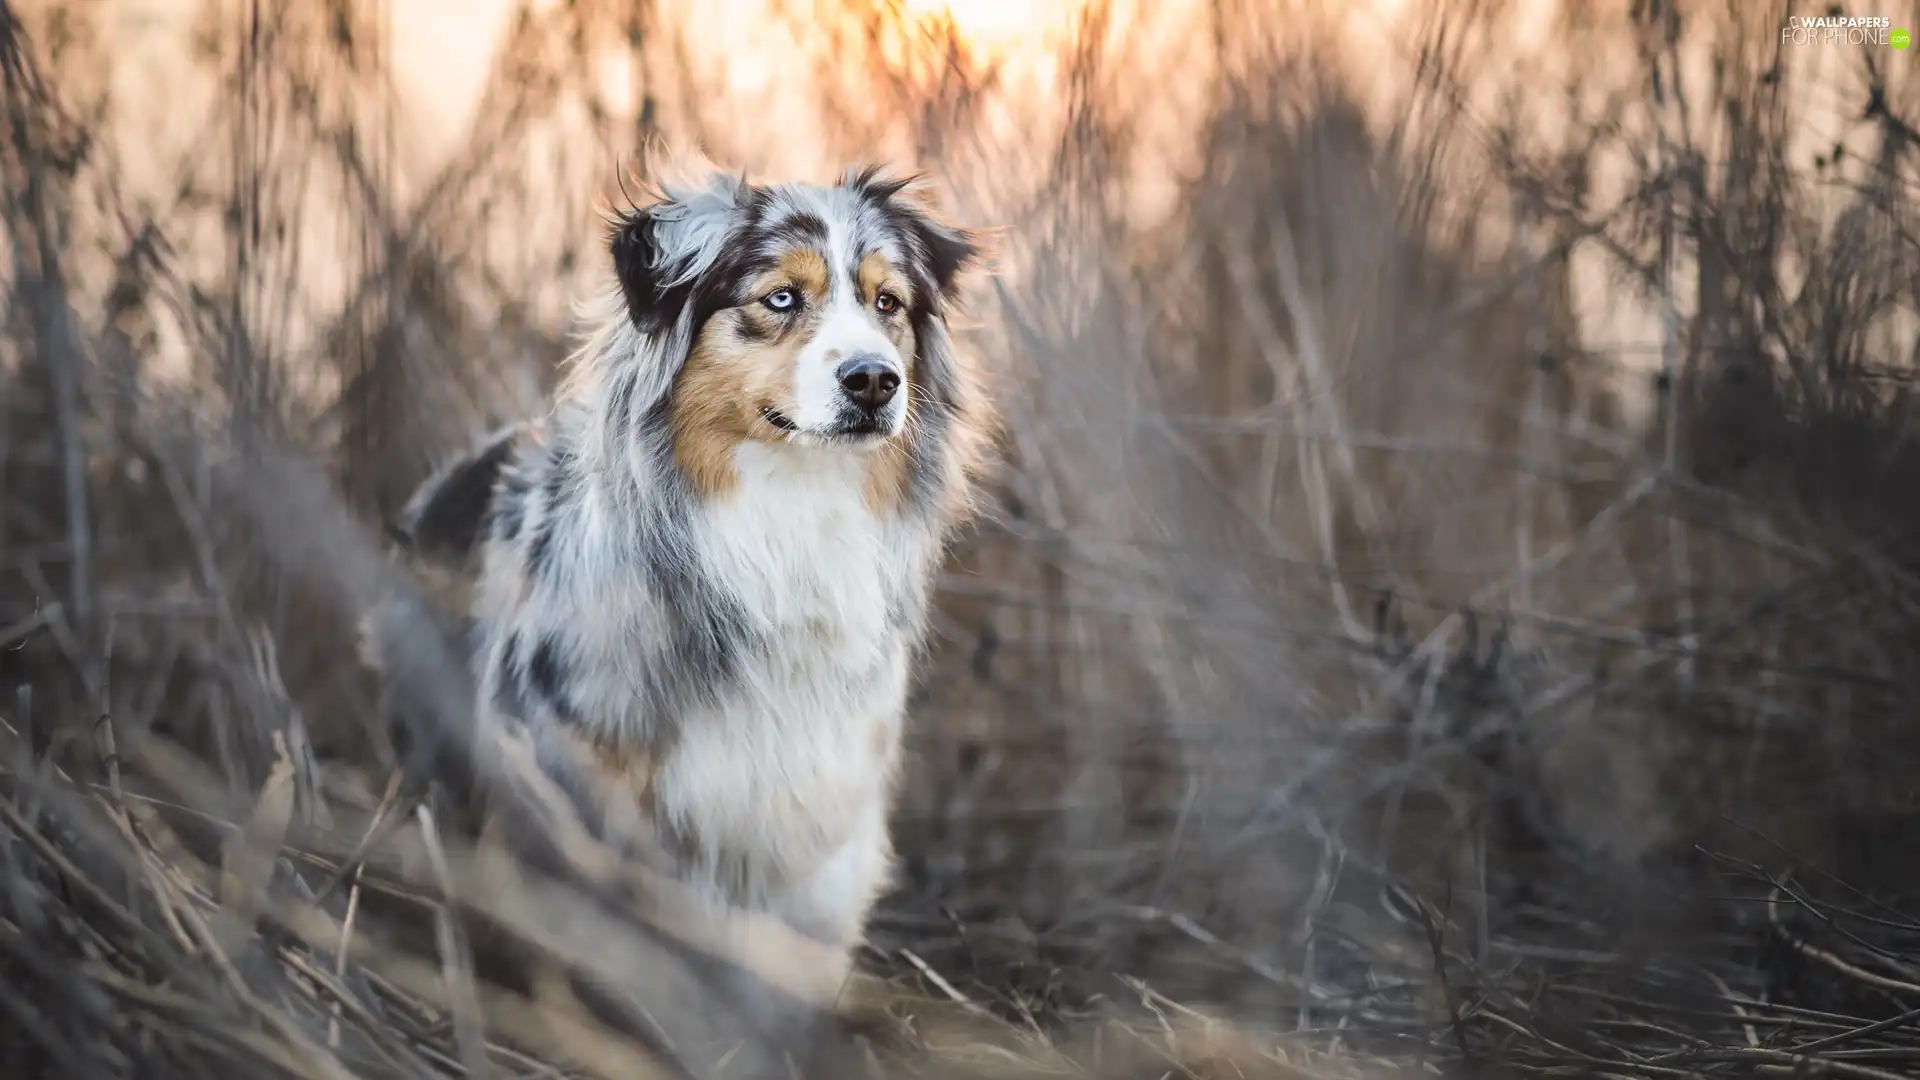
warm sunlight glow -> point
(984, 19)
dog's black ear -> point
(447, 514)
(662, 251)
(948, 252)
(637, 263)
(942, 253)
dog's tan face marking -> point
(800, 268)
(891, 467)
(713, 411)
(741, 364)
(877, 278)
(740, 378)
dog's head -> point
(791, 313)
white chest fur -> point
(782, 787)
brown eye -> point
(886, 303)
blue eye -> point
(782, 300)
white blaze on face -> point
(848, 327)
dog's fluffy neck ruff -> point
(795, 492)
(793, 548)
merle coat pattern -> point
(701, 580)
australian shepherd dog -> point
(700, 583)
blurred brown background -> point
(1455, 552)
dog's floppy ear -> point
(661, 250)
(941, 253)
(669, 255)
(448, 512)
(635, 264)
(946, 252)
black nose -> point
(868, 380)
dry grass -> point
(1450, 602)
